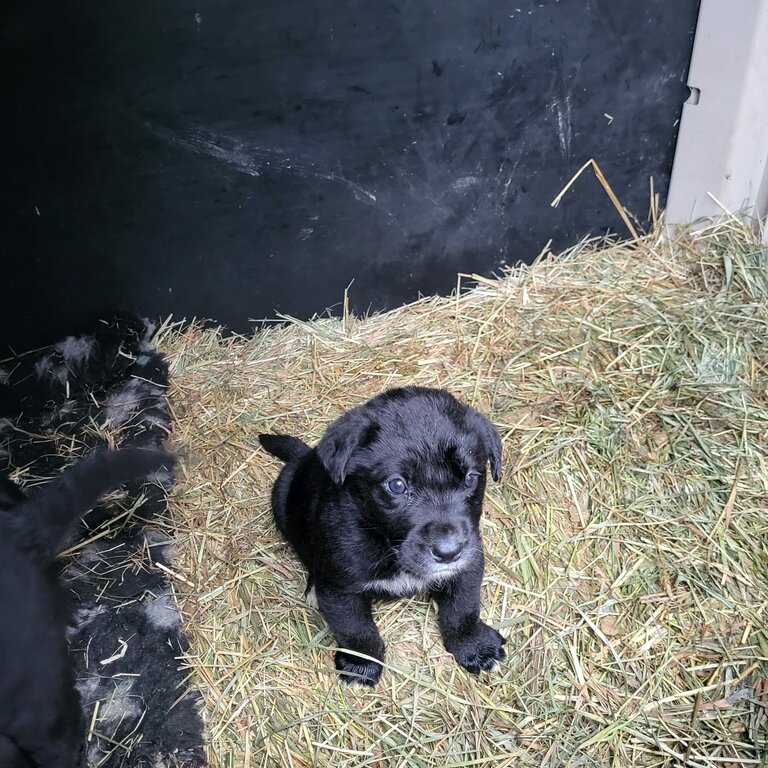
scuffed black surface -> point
(50, 401)
(228, 158)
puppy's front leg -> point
(350, 620)
(475, 645)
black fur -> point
(341, 507)
(285, 447)
(11, 756)
(41, 722)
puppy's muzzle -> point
(446, 543)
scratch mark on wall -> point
(505, 171)
(254, 160)
(562, 110)
(464, 183)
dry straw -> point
(627, 542)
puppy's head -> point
(415, 460)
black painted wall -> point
(232, 158)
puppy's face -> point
(415, 462)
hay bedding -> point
(626, 543)
(109, 387)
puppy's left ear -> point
(337, 445)
(491, 443)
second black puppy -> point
(386, 505)
(41, 723)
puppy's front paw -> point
(356, 671)
(479, 650)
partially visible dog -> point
(388, 504)
(40, 717)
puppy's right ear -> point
(337, 445)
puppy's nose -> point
(447, 550)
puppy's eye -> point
(396, 486)
(470, 481)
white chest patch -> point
(401, 585)
(311, 598)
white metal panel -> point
(721, 159)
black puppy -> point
(40, 718)
(388, 504)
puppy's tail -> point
(40, 523)
(284, 447)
